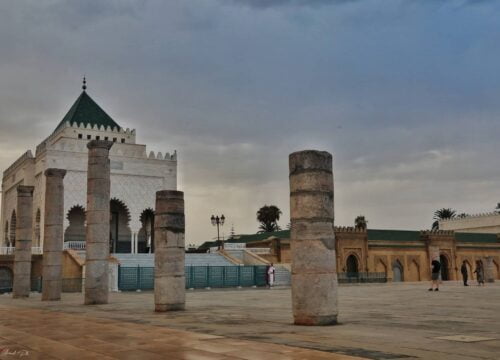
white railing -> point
(7, 250)
(74, 245)
(259, 250)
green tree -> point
(442, 214)
(268, 217)
(360, 222)
(497, 209)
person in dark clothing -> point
(435, 271)
(463, 270)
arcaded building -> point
(402, 255)
(136, 175)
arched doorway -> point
(120, 234)
(12, 230)
(76, 229)
(5, 279)
(414, 272)
(445, 274)
(381, 268)
(36, 238)
(397, 272)
(145, 242)
(352, 265)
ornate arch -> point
(353, 253)
(121, 204)
(146, 233)
(75, 208)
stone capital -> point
(23, 190)
(103, 144)
(55, 172)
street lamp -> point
(219, 221)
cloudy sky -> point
(404, 93)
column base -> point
(169, 307)
(316, 320)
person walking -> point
(479, 272)
(270, 275)
(435, 271)
(463, 270)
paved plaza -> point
(383, 321)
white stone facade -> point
(480, 223)
(135, 175)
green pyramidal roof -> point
(86, 111)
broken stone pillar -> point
(53, 234)
(97, 216)
(170, 282)
(489, 269)
(314, 276)
(24, 230)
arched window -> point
(120, 234)
(76, 229)
(146, 234)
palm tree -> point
(360, 222)
(268, 217)
(442, 214)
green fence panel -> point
(231, 276)
(127, 278)
(146, 278)
(247, 276)
(197, 277)
(216, 277)
(260, 275)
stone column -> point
(314, 275)
(53, 234)
(97, 216)
(489, 270)
(24, 233)
(170, 282)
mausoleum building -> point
(136, 175)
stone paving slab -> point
(39, 334)
(384, 321)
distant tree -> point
(497, 209)
(442, 214)
(268, 217)
(360, 222)
(462, 215)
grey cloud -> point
(278, 3)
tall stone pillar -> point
(24, 231)
(314, 276)
(97, 215)
(170, 280)
(53, 234)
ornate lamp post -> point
(219, 221)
